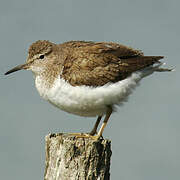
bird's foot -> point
(76, 134)
(86, 135)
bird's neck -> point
(45, 80)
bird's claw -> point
(86, 135)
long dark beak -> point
(17, 68)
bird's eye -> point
(41, 56)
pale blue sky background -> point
(145, 132)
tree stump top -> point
(71, 158)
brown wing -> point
(96, 64)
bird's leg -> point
(96, 137)
(94, 130)
(92, 133)
(108, 114)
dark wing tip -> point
(158, 57)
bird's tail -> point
(156, 67)
(144, 64)
(161, 69)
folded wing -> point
(96, 64)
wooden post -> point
(71, 158)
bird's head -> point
(39, 57)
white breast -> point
(89, 101)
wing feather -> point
(96, 64)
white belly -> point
(89, 101)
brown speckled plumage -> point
(95, 64)
(40, 47)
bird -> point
(88, 78)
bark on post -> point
(70, 158)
